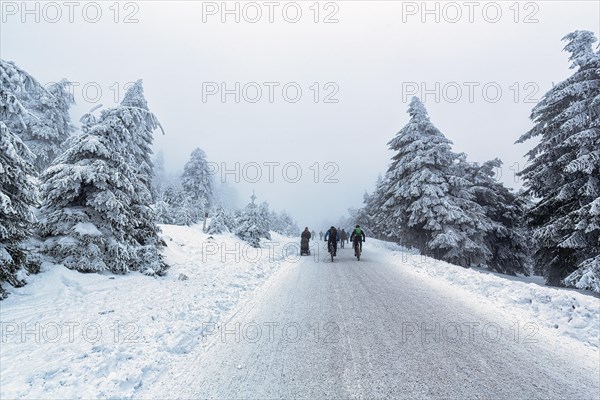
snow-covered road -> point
(372, 329)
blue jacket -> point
(337, 237)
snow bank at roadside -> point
(73, 335)
(567, 313)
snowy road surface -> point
(371, 329)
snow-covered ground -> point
(562, 313)
(68, 334)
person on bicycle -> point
(357, 236)
(331, 237)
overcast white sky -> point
(370, 61)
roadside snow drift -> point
(73, 335)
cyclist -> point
(357, 236)
(331, 237)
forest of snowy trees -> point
(433, 199)
(91, 198)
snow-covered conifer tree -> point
(48, 123)
(163, 212)
(248, 225)
(196, 181)
(289, 227)
(265, 220)
(564, 171)
(176, 207)
(376, 214)
(220, 222)
(185, 212)
(507, 239)
(587, 276)
(96, 212)
(283, 224)
(140, 123)
(427, 202)
(17, 190)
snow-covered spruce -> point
(587, 276)
(368, 217)
(174, 206)
(264, 220)
(249, 226)
(564, 171)
(197, 184)
(426, 199)
(221, 221)
(185, 211)
(141, 124)
(48, 122)
(163, 212)
(17, 190)
(185, 199)
(507, 239)
(283, 224)
(167, 199)
(96, 213)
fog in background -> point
(366, 67)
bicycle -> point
(330, 245)
(357, 248)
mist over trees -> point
(99, 193)
(192, 197)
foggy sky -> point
(370, 61)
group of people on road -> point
(332, 236)
(357, 237)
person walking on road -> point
(343, 237)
